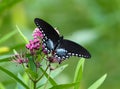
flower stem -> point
(34, 84)
(34, 81)
(43, 73)
(47, 80)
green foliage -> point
(19, 86)
(7, 36)
(49, 78)
(14, 77)
(64, 86)
(79, 72)
(31, 63)
(5, 58)
(25, 39)
(97, 84)
(2, 86)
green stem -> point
(43, 73)
(34, 84)
(47, 80)
(35, 81)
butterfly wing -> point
(74, 49)
(48, 31)
(50, 36)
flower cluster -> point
(34, 49)
(37, 34)
(20, 59)
(34, 44)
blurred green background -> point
(95, 24)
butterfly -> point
(60, 47)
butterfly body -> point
(61, 48)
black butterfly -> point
(62, 48)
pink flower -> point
(37, 33)
(53, 59)
(33, 45)
(20, 59)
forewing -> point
(47, 30)
(74, 49)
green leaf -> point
(32, 73)
(53, 74)
(32, 67)
(15, 52)
(57, 71)
(25, 39)
(14, 77)
(48, 76)
(2, 86)
(98, 82)
(5, 58)
(6, 37)
(78, 72)
(31, 64)
(64, 86)
(18, 84)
